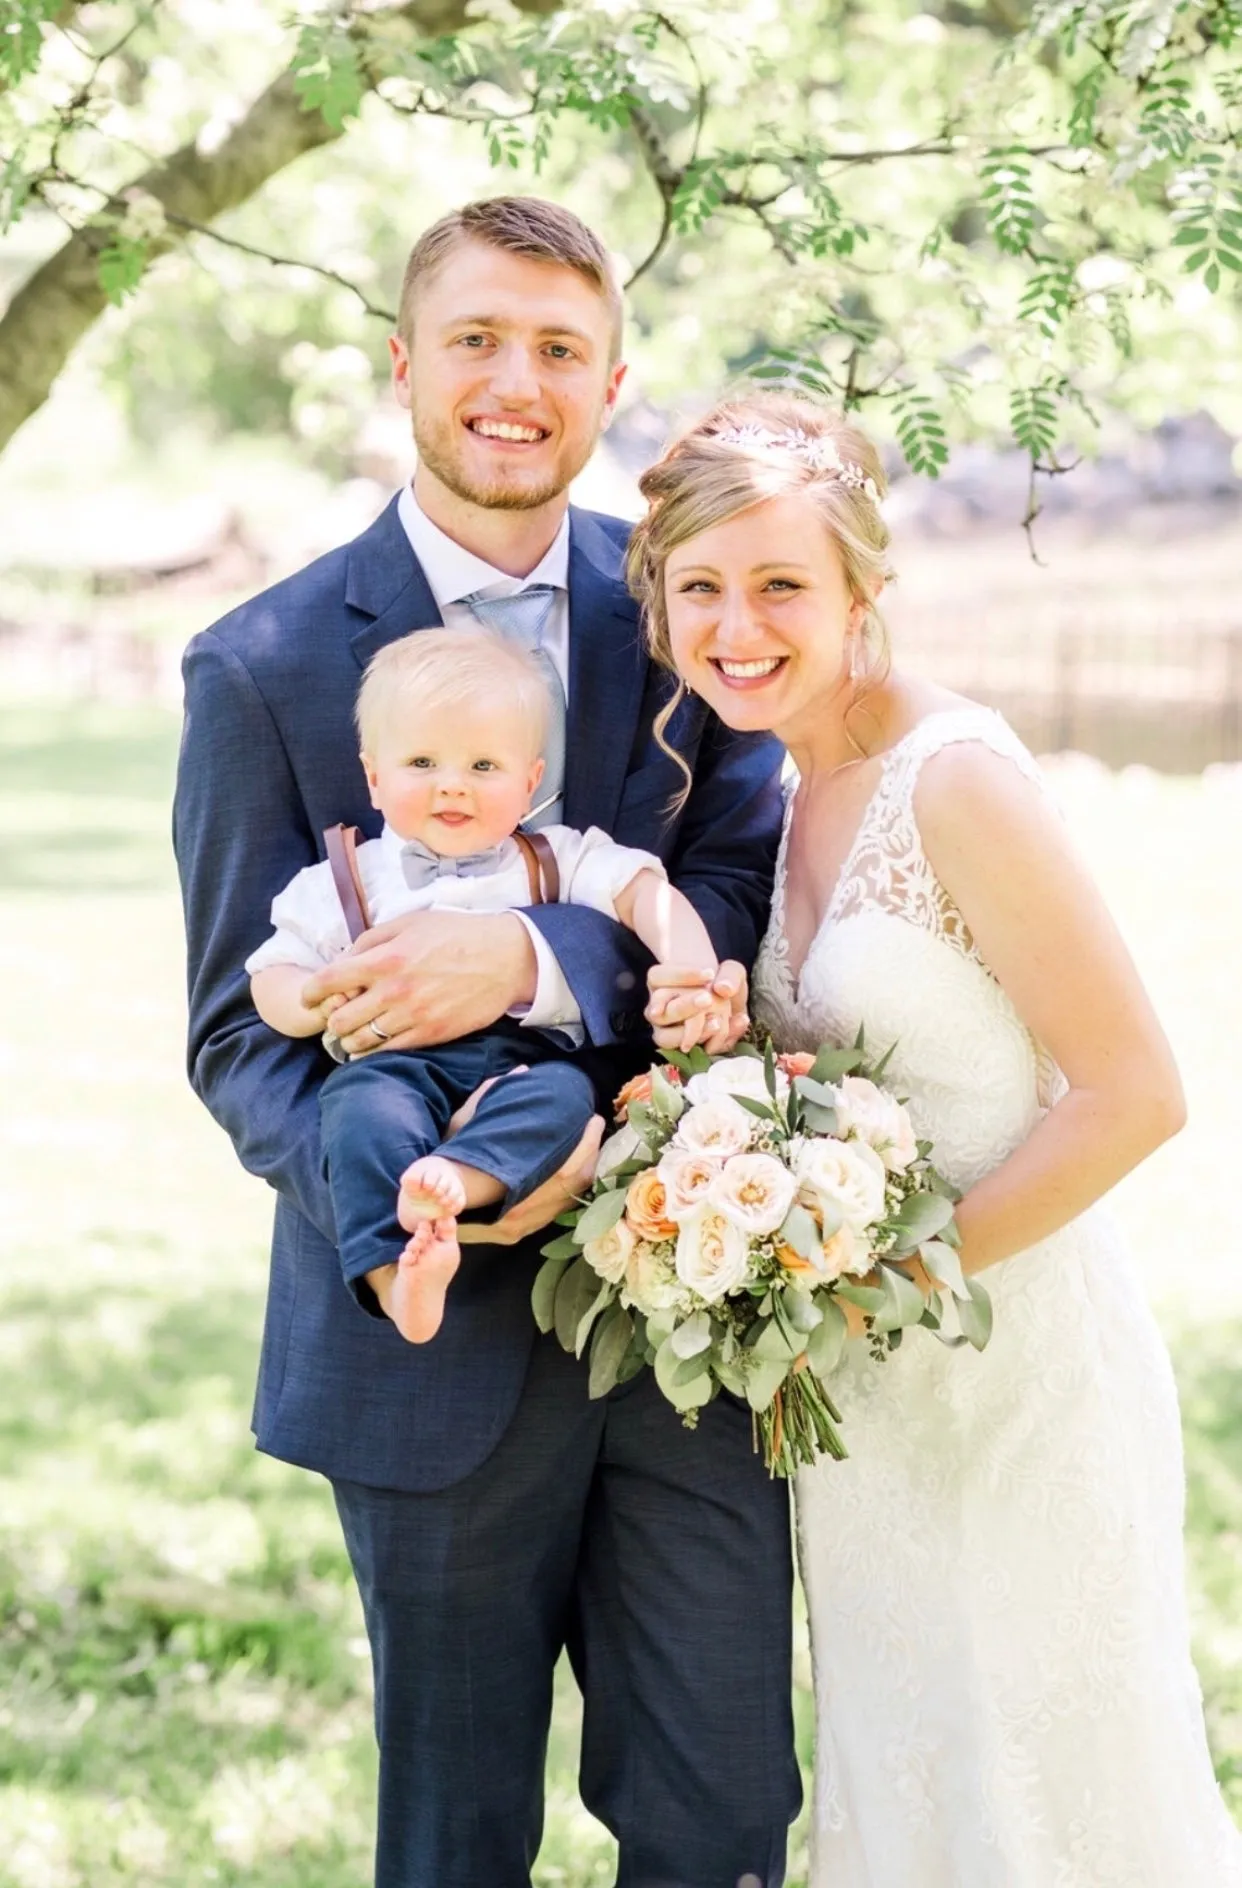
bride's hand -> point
(541, 1207)
(705, 1007)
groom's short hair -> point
(521, 226)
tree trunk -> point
(57, 305)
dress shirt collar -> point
(452, 572)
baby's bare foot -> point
(430, 1189)
(424, 1272)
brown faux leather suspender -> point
(341, 845)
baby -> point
(451, 725)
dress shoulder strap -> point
(948, 728)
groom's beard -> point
(510, 488)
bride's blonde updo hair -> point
(747, 450)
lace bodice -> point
(1004, 1691)
(894, 954)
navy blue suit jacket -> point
(269, 758)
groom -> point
(493, 1513)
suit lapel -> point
(607, 666)
(384, 582)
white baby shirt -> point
(310, 927)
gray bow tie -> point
(421, 866)
(523, 617)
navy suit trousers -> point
(386, 1109)
(661, 1558)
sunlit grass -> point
(184, 1689)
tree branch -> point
(59, 303)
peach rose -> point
(798, 1062)
(638, 1088)
(645, 1205)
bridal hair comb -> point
(813, 449)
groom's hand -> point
(679, 995)
(429, 977)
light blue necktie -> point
(522, 618)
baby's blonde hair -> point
(441, 669)
(724, 465)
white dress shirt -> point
(309, 924)
(453, 573)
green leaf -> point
(543, 1292)
(769, 1068)
(801, 1310)
(764, 1377)
(903, 1301)
(773, 1342)
(327, 74)
(1033, 417)
(974, 1314)
(809, 1089)
(600, 1216)
(831, 1064)
(943, 1264)
(686, 1384)
(763, 1109)
(827, 1341)
(867, 1297)
(679, 1061)
(642, 1119)
(610, 1346)
(1009, 200)
(604, 1296)
(121, 267)
(564, 1246)
(799, 1230)
(667, 1099)
(921, 436)
(575, 1294)
(921, 1216)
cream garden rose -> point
(651, 1284)
(610, 1253)
(754, 1191)
(719, 1128)
(878, 1119)
(687, 1178)
(713, 1255)
(735, 1075)
(847, 1175)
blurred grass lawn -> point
(183, 1676)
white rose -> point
(686, 1177)
(734, 1075)
(617, 1149)
(847, 1175)
(877, 1118)
(713, 1255)
(610, 1253)
(718, 1128)
(754, 1191)
(651, 1285)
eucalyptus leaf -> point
(943, 1264)
(922, 1216)
(543, 1292)
(610, 1346)
(818, 1119)
(688, 1339)
(684, 1385)
(866, 1297)
(800, 1309)
(811, 1090)
(832, 1217)
(642, 1119)
(769, 1068)
(667, 1099)
(601, 1215)
(831, 1064)
(602, 1297)
(699, 1060)
(660, 1327)
(974, 1314)
(748, 1049)
(575, 1294)
(777, 1344)
(799, 1230)
(827, 1341)
(763, 1109)
(731, 1376)
(764, 1378)
(564, 1246)
(679, 1061)
(903, 1301)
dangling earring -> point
(854, 658)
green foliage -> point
(1033, 419)
(21, 36)
(1032, 224)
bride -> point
(1005, 1694)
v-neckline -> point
(780, 902)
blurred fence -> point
(1169, 698)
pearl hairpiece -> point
(813, 450)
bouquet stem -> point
(799, 1424)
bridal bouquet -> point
(741, 1200)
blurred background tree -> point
(977, 218)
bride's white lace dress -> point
(1005, 1695)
